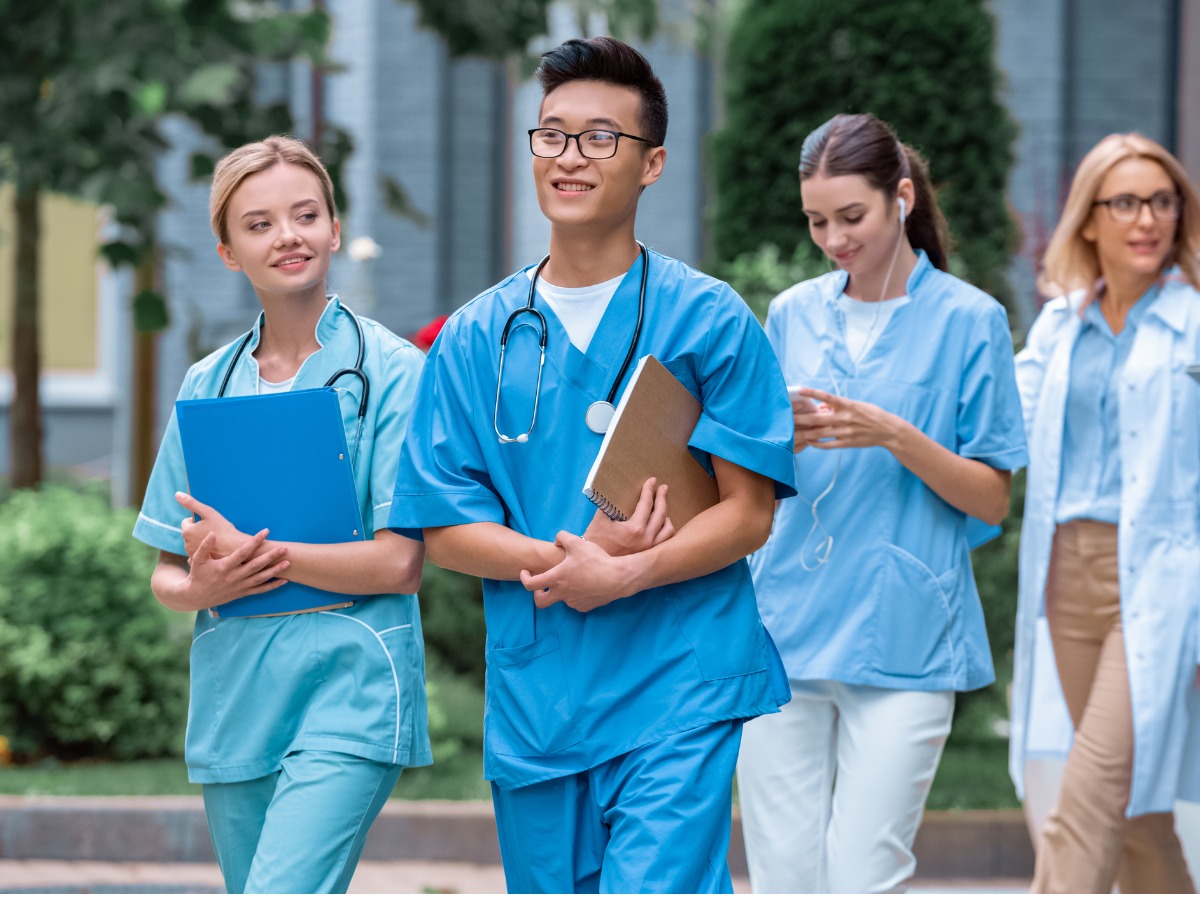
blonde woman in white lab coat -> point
(1110, 547)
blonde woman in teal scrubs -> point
(299, 725)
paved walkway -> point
(42, 876)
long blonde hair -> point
(250, 159)
(1071, 262)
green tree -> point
(924, 66)
(84, 88)
(501, 29)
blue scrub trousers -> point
(654, 820)
(300, 830)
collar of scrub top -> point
(600, 413)
(356, 370)
(1172, 301)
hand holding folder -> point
(277, 461)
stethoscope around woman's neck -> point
(600, 413)
(356, 370)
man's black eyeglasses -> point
(594, 143)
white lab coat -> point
(1158, 544)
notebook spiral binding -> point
(604, 505)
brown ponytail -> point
(862, 144)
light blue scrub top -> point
(349, 680)
(569, 690)
(1091, 485)
(895, 606)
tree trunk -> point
(25, 414)
(143, 391)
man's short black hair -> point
(614, 62)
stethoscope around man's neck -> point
(600, 413)
(356, 370)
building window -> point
(76, 340)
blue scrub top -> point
(568, 690)
(348, 680)
(895, 606)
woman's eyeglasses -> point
(1164, 206)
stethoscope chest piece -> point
(599, 416)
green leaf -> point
(397, 201)
(201, 166)
(151, 98)
(119, 253)
(213, 85)
(150, 312)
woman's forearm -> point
(389, 564)
(968, 485)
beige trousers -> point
(1087, 842)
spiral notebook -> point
(648, 437)
(276, 461)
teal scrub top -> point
(569, 690)
(895, 605)
(349, 680)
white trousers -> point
(832, 788)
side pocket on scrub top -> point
(528, 708)
(913, 616)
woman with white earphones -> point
(908, 424)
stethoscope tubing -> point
(356, 370)
(540, 328)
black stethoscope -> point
(356, 370)
(600, 413)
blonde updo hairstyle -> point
(1071, 262)
(250, 159)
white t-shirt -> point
(274, 387)
(579, 309)
(865, 321)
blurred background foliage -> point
(90, 665)
(925, 66)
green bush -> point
(452, 619)
(90, 664)
(761, 275)
(925, 66)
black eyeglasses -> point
(549, 143)
(1164, 206)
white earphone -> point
(903, 209)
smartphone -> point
(794, 395)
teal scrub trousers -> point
(654, 820)
(300, 830)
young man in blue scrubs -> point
(622, 660)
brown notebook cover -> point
(648, 437)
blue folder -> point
(276, 461)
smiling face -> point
(573, 190)
(1137, 248)
(281, 233)
(854, 224)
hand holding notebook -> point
(648, 438)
